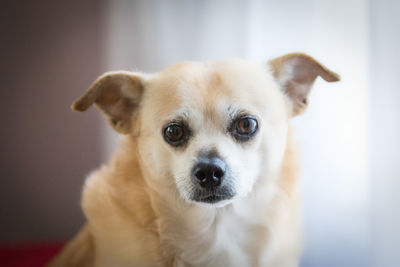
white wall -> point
(384, 129)
(346, 137)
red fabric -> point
(28, 255)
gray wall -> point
(50, 52)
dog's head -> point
(210, 130)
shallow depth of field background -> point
(348, 138)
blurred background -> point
(348, 139)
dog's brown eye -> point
(175, 134)
(244, 128)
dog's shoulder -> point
(119, 213)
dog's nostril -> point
(218, 174)
(201, 175)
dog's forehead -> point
(208, 86)
(193, 82)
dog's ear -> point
(296, 73)
(117, 95)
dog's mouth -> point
(213, 197)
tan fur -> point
(136, 215)
(78, 252)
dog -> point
(205, 173)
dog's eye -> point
(244, 128)
(175, 134)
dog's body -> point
(205, 175)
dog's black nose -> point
(209, 172)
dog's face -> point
(208, 130)
(212, 128)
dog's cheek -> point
(154, 156)
(248, 171)
(274, 148)
(181, 172)
(168, 175)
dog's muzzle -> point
(210, 176)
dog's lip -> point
(213, 198)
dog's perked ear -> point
(296, 73)
(117, 95)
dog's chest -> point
(228, 240)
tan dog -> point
(204, 174)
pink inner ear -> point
(298, 93)
(303, 72)
(296, 74)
